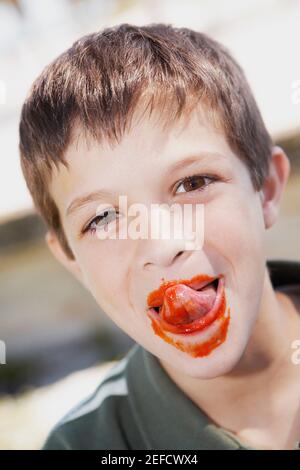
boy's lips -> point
(187, 305)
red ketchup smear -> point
(184, 312)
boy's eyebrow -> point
(83, 200)
(195, 157)
(96, 195)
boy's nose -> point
(164, 253)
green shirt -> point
(138, 406)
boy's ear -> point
(70, 264)
(273, 187)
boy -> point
(215, 327)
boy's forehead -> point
(147, 148)
(146, 134)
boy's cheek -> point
(235, 235)
(105, 266)
(235, 226)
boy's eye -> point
(190, 183)
(100, 221)
(194, 183)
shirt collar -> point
(166, 417)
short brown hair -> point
(102, 77)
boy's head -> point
(115, 115)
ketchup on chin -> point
(180, 323)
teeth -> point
(213, 283)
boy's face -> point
(120, 273)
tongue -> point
(182, 304)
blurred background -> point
(57, 340)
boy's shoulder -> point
(94, 423)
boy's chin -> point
(220, 362)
